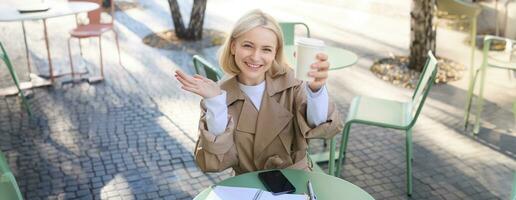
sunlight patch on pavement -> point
(114, 187)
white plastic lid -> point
(309, 42)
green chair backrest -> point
(4, 57)
(510, 50)
(426, 80)
(288, 29)
(458, 7)
(8, 186)
(4, 167)
(7, 61)
(200, 64)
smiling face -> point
(254, 53)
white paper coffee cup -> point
(306, 52)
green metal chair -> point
(7, 61)
(8, 185)
(212, 72)
(288, 29)
(487, 61)
(391, 114)
(461, 11)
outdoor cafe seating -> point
(95, 28)
(505, 60)
(136, 133)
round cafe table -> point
(325, 186)
(338, 57)
(55, 9)
(9, 13)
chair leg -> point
(409, 159)
(101, 64)
(80, 47)
(26, 48)
(25, 103)
(49, 57)
(473, 46)
(17, 84)
(480, 103)
(70, 56)
(118, 48)
(331, 168)
(513, 193)
(343, 145)
(472, 73)
(469, 99)
(473, 41)
(77, 25)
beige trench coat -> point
(273, 138)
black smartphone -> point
(276, 182)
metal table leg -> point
(51, 72)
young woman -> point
(262, 116)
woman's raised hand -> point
(319, 71)
(198, 84)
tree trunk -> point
(179, 27)
(422, 33)
(195, 27)
(196, 20)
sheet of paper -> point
(270, 196)
(243, 193)
(232, 193)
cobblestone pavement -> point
(132, 136)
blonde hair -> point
(253, 19)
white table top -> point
(10, 13)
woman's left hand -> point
(319, 71)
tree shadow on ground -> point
(94, 141)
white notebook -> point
(243, 193)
